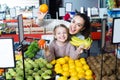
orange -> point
(43, 8)
(41, 42)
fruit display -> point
(77, 42)
(70, 69)
(43, 8)
(109, 71)
(38, 69)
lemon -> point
(66, 68)
(74, 78)
(82, 59)
(65, 73)
(83, 62)
(74, 73)
(58, 70)
(71, 66)
(61, 61)
(70, 61)
(62, 78)
(79, 69)
(53, 62)
(72, 70)
(57, 65)
(66, 58)
(88, 72)
(80, 75)
(85, 67)
(89, 77)
(78, 64)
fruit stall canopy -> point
(7, 58)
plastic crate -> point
(96, 35)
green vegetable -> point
(32, 49)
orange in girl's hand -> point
(41, 42)
(43, 8)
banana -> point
(88, 42)
(74, 43)
(77, 44)
(76, 39)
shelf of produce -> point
(16, 36)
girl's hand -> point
(41, 15)
(46, 49)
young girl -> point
(60, 46)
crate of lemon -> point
(70, 69)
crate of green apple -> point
(38, 69)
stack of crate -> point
(30, 29)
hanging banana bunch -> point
(111, 4)
(75, 41)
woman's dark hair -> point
(86, 31)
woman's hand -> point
(41, 15)
(87, 48)
(80, 49)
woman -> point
(79, 25)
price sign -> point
(7, 58)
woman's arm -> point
(74, 52)
(40, 18)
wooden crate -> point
(26, 30)
(27, 22)
(37, 30)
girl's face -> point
(61, 34)
(76, 25)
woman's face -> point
(61, 34)
(76, 25)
